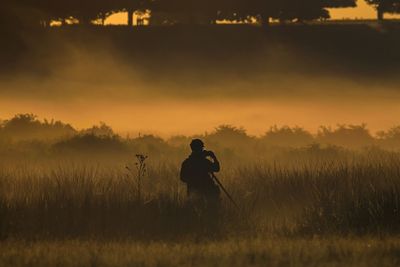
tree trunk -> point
(264, 20)
(380, 13)
(130, 17)
(84, 21)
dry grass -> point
(244, 252)
(354, 195)
(306, 210)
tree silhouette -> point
(390, 139)
(89, 10)
(283, 10)
(84, 11)
(339, 3)
(303, 10)
(352, 136)
(228, 136)
(243, 11)
(23, 13)
(99, 130)
(187, 12)
(190, 12)
(385, 6)
(130, 7)
(27, 126)
(264, 10)
(287, 137)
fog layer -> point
(170, 81)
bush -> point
(350, 136)
(91, 144)
(287, 137)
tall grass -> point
(359, 194)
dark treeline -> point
(385, 6)
(25, 135)
(168, 12)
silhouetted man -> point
(197, 172)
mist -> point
(188, 82)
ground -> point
(315, 251)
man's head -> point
(197, 145)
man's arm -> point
(214, 166)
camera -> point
(207, 153)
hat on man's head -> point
(197, 145)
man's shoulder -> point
(192, 159)
(188, 160)
(185, 162)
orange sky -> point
(362, 11)
(129, 105)
(194, 117)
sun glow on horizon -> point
(361, 11)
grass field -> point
(312, 211)
(243, 252)
(358, 195)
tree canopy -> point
(385, 6)
(185, 11)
